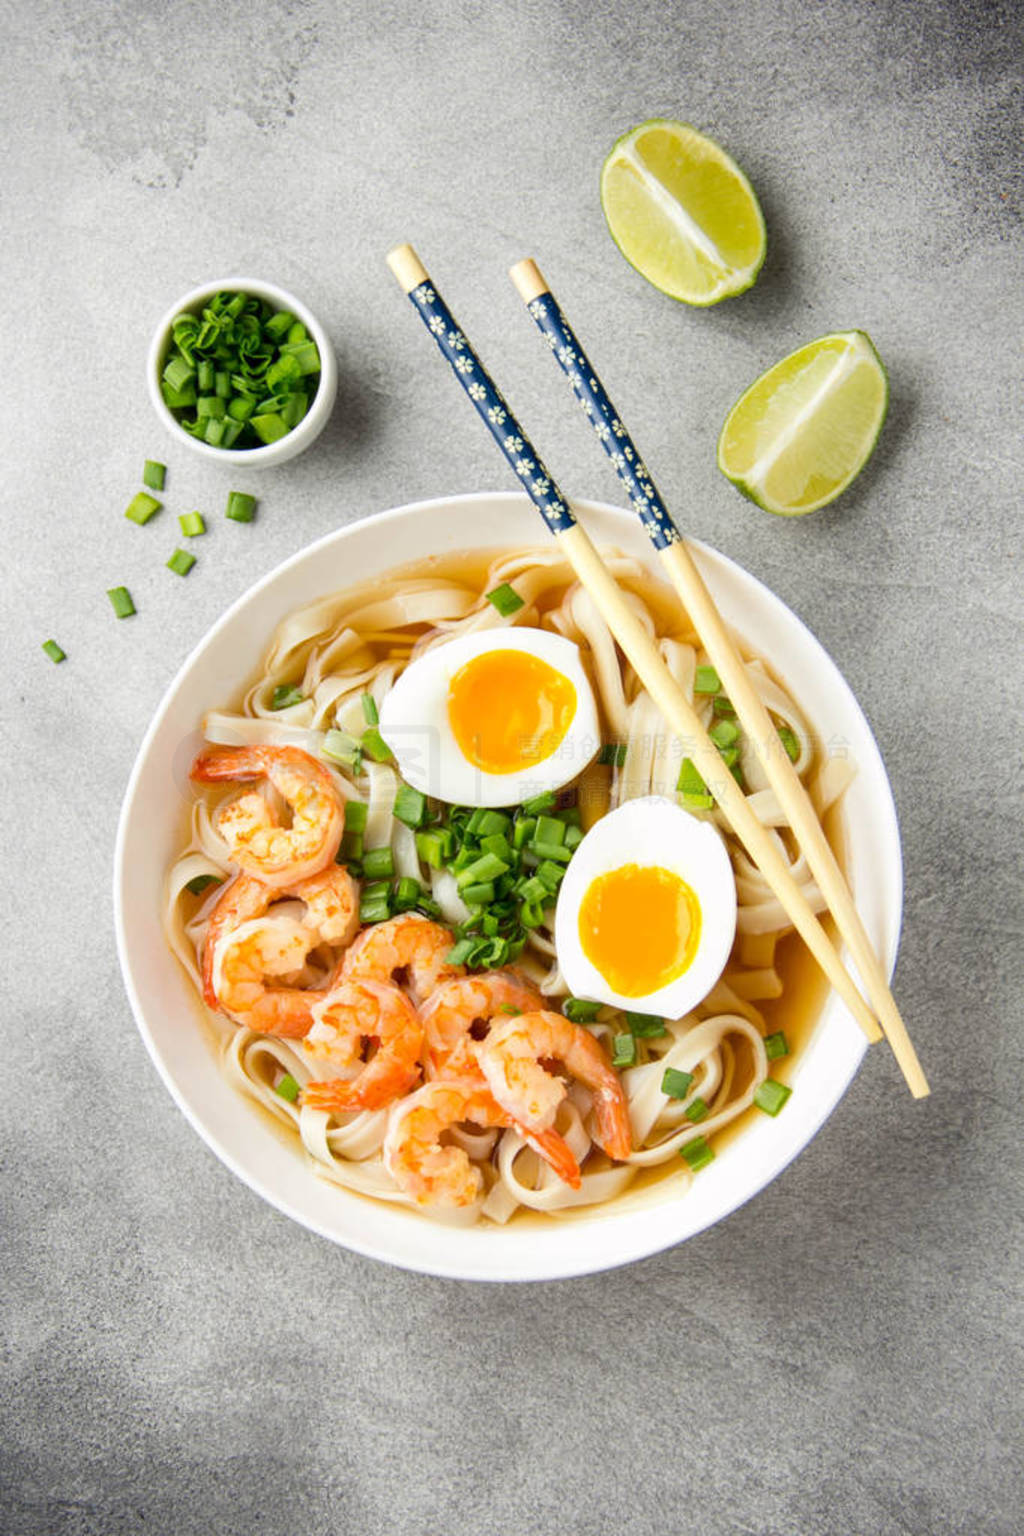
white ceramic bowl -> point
(315, 419)
(165, 1009)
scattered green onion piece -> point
(277, 325)
(142, 507)
(285, 695)
(241, 508)
(776, 1045)
(676, 1084)
(506, 599)
(499, 845)
(356, 812)
(121, 602)
(351, 849)
(410, 806)
(374, 745)
(431, 848)
(552, 851)
(540, 804)
(270, 427)
(374, 910)
(707, 681)
(613, 754)
(723, 707)
(697, 1111)
(181, 562)
(550, 874)
(378, 863)
(580, 1010)
(724, 733)
(492, 824)
(407, 893)
(770, 1096)
(531, 914)
(191, 524)
(288, 1088)
(459, 952)
(205, 375)
(730, 756)
(178, 399)
(375, 889)
(523, 831)
(199, 883)
(535, 892)
(573, 837)
(154, 474)
(342, 748)
(790, 741)
(623, 1051)
(698, 802)
(241, 409)
(210, 406)
(691, 786)
(304, 353)
(370, 714)
(646, 1026)
(479, 895)
(549, 830)
(487, 867)
(54, 651)
(697, 1153)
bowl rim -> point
(888, 835)
(315, 419)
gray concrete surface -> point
(842, 1356)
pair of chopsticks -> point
(642, 652)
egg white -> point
(414, 722)
(651, 830)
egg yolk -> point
(639, 926)
(509, 710)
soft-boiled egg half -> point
(492, 718)
(646, 913)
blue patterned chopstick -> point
(609, 429)
(492, 408)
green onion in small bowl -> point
(242, 372)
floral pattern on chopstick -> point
(493, 409)
(607, 427)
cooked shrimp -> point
(435, 1174)
(279, 855)
(352, 1015)
(332, 912)
(408, 950)
(511, 1057)
(460, 1012)
(246, 957)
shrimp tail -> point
(555, 1151)
(215, 764)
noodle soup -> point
(485, 952)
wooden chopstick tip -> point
(528, 279)
(406, 267)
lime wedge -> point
(806, 428)
(682, 212)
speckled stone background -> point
(843, 1356)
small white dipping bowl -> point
(315, 419)
(152, 824)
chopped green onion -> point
(623, 1051)
(370, 714)
(378, 863)
(581, 1010)
(375, 889)
(552, 851)
(676, 1084)
(696, 1111)
(191, 524)
(142, 507)
(770, 1096)
(506, 599)
(374, 745)
(613, 754)
(407, 893)
(351, 849)
(479, 895)
(573, 837)
(241, 508)
(550, 874)
(535, 892)
(431, 848)
(730, 755)
(693, 788)
(646, 1026)
(288, 1088)
(277, 325)
(549, 830)
(121, 602)
(523, 831)
(285, 695)
(374, 910)
(697, 1153)
(178, 375)
(776, 1045)
(500, 846)
(205, 375)
(305, 354)
(410, 805)
(491, 824)
(488, 867)
(539, 804)
(153, 474)
(707, 681)
(723, 707)
(724, 733)
(199, 883)
(178, 399)
(342, 748)
(210, 406)
(460, 952)
(54, 651)
(790, 741)
(181, 562)
(356, 812)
